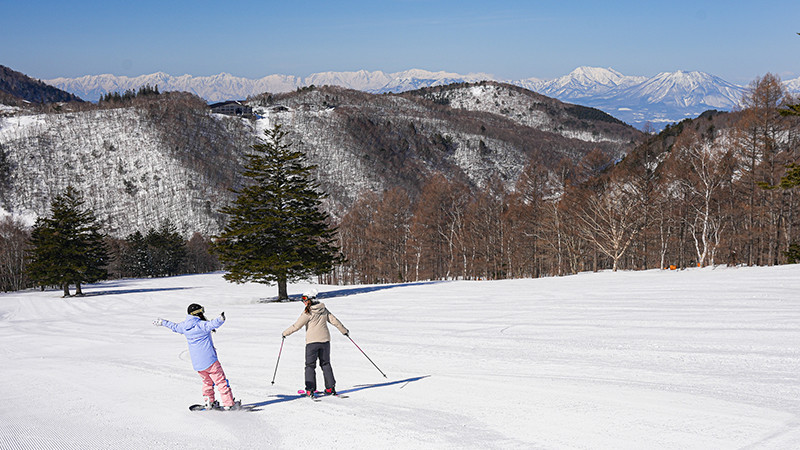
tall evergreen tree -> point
(277, 231)
(69, 247)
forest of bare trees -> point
(703, 192)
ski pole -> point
(362, 352)
(279, 360)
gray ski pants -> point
(321, 351)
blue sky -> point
(510, 39)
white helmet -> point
(310, 294)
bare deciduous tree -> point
(13, 259)
(707, 167)
(611, 217)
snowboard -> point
(199, 407)
(237, 406)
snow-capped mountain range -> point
(661, 99)
(225, 86)
(665, 98)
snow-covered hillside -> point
(169, 158)
(342, 140)
(375, 142)
(532, 110)
(694, 359)
(119, 160)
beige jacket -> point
(316, 324)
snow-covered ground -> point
(705, 358)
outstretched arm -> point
(166, 323)
(213, 324)
(335, 322)
(301, 321)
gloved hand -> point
(157, 322)
(222, 314)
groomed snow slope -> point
(658, 359)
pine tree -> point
(167, 251)
(277, 231)
(69, 247)
(134, 256)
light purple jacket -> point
(198, 334)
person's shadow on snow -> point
(280, 398)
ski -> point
(318, 394)
(314, 396)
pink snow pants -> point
(212, 376)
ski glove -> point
(157, 322)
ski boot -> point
(237, 405)
(210, 404)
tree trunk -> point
(66, 289)
(78, 291)
(282, 295)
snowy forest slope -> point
(136, 166)
(398, 140)
(169, 158)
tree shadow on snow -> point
(280, 398)
(352, 291)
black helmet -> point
(195, 310)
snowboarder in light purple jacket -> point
(197, 330)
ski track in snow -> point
(701, 358)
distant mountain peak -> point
(598, 74)
(587, 82)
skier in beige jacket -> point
(315, 318)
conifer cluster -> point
(130, 94)
(68, 247)
(157, 253)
